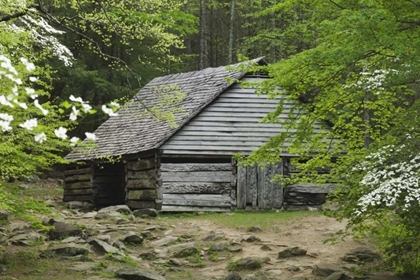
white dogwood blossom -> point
(30, 124)
(90, 136)
(74, 141)
(390, 184)
(61, 132)
(109, 111)
(40, 138)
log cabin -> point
(172, 147)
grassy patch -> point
(243, 219)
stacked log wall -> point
(196, 186)
(142, 185)
(302, 196)
(78, 184)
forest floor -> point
(273, 233)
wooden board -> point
(141, 184)
(196, 187)
(140, 204)
(165, 167)
(86, 170)
(143, 164)
(277, 186)
(148, 174)
(241, 188)
(78, 185)
(78, 178)
(78, 192)
(199, 176)
(251, 185)
(310, 188)
(209, 200)
(171, 208)
(141, 195)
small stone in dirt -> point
(265, 247)
(324, 270)
(66, 250)
(62, 230)
(148, 212)
(252, 238)
(74, 239)
(164, 241)
(259, 275)
(148, 255)
(183, 250)
(123, 209)
(255, 229)
(292, 252)
(236, 241)
(248, 263)
(151, 228)
(235, 248)
(361, 254)
(103, 248)
(220, 246)
(118, 244)
(293, 268)
(233, 276)
(89, 215)
(214, 236)
(132, 238)
(130, 273)
(338, 276)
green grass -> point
(243, 219)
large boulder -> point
(103, 248)
(63, 230)
(123, 209)
(248, 263)
(183, 250)
(132, 238)
(26, 239)
(361, 255)
(130, 273)
(145, 212)
(65, 250)
(292, 252)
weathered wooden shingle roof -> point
(133, 131)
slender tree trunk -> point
(232, 19)
(366, 119)
(203, 43)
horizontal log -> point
(78, 192)
(78, 185)
(196, 167)
(113, 179)
(171, 208)
(149, 174)
(141, 195)
(78, 178)
(196, 187)
(199, 176)
(86, 170)
(140, 204)
(141, 165)
(309, 188)
(209, 200)
(67, 198)
(215, 142)
(141, 184)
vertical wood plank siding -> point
(196, 186)
(229, 125)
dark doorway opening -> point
(109, 184)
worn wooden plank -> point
(311, 188)
(245, 100)
(232, 128)
(209, 200)
(212, 148)
(277, 186)
(198, 176)
(171, 208)
(231, 119)
(220, 131)
(141, 195)
(195, 167)
(141, 184)
(200, 123)
(234, 108)
(78, 185)
(86, 170)
(143, 164)
(148, 174)
(196, 187)
(233, 196)
(241, 187)
(78, 178)
(67, 198)
(244, 104)
(215, 142)
(251, 190)
(140, 204)
(232, 114)
(78, 192)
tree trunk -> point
(232, 19)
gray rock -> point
(338, 276)
(183, 250)
(123, 209)
(33, 179)
(65, 250)
(74, 239)
(103, 248)
(62, 230)
(4, 215)
(214, 236)
(252, 238)
(132, 238)
(26, 239)
(248, 263)
(297, 278)
(164, 241)
(259, 275)
(119, 244)
(89, 215)
(255, 229)
(146, 234)
(233, 276)
(109, 215)
(130, 273)
(81, 205)
(235, 248)
(220, 246)
(148, 255)
(148, 212)
(324, 270)
(24, 186)
(265, 247)
(83, 266)
(361, 255)
(292, 252)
